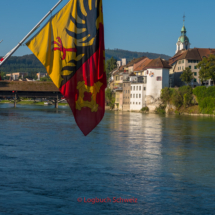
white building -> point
(137, 96)
(157, 78)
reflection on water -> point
(46, 163)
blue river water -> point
(163, 164)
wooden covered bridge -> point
(29, 89)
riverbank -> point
(192, 110)
(30, 103)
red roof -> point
(142, 66)
(158, 63)
(132, 62)
(191, 54)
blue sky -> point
(135, 25)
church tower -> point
(183, 41)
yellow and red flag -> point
(71, 47)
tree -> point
(207, 68)
(187, 75)
(3, 75)
(109, 98)
(110, 65)
(48, 79)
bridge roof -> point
(30, 86)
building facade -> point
(126, 95)
(188, 58)
(137, 96)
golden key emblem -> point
(82, 88)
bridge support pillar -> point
(56, 102)
(15, 98)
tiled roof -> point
(132, 62)
(30, 86)
(191, 54)
(141, 67)
(158, 63)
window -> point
(136, 103)
(139, 87)
(179, 62)
(136, 95)
(194, 80)
(139, 103)
(178, 68)
(131, 95)
(136, 87)
(159, 78)
(139, 95)
(133, 103)
(144, 88)
(195, 73)
(126, 91)
(182, 67)
(190, 67)
(131, 87)
(195, 67)
(182, 61)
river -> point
(160, 164)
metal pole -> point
(3, 60)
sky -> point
(134, 25)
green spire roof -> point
(183, 29)
(183, 38)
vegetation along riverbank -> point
(186, 100)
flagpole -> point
(5, 58)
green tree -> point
(110, 65)
(2, 74)
(187, 75)
(48, 79)
(207, 68)
(166, 94)
(109, 98)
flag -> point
(71, 47)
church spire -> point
(183, 41)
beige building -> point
(41, 75)
(15, 76)
(188, 58)
(118, 99)
(126, 95)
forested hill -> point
(129, 55)
(26, 63)
(29, 63)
